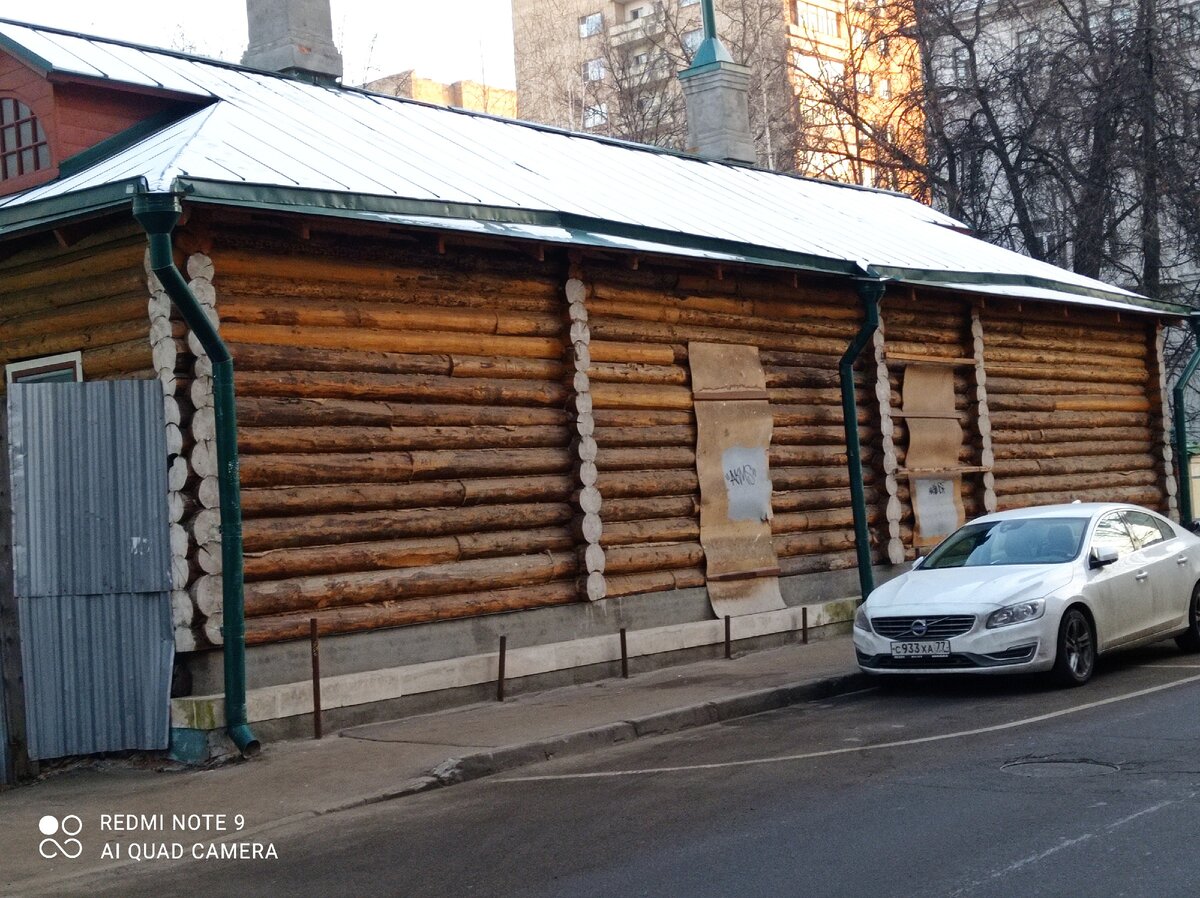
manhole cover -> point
(1047, 768)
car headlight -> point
(1017, 614)
(861, 621)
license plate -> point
(938, 649)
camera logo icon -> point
(69, 827)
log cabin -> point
(496, 379)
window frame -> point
(28, 370)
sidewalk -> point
(377, 762)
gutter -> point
(870, 292)
(1186, 512)
(158, 213)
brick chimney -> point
(293, 37)
(717, 93)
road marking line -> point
(1173, 666)
(782, 759)
(1071, 843)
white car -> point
(1036, 589)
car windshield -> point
(1029, 541)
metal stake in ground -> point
(804, 625)
(500, 678)
(315, 641)
(624, 656)
(728, 640)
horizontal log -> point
(402, 553)
(653, 332)
(1017, 402)
(402, 387)
(653, 581)
(1047, 450)
(1004, 420)
(266, 412)
(820, 541)
(261, 534)
(809, 377)
(618, 351)
(1131, 346)
(128, 306)
(303, 312)
(1050, 436)
(642, 484)
(254, 440)
(993, 353)
(1056, 372)
(54, 342)
(614, 510)
(619, 396)
(655, 557)
(659, 458)
(131, 357)
(275, 628)
(1109, 330)
(308, 594)
(307, 500)
(1013, 467)
(811, 521)
(397, 467)
(816, 499)
(643, 418)
(616, 373)
(824, 562)
(390, 341)
(659, 530)
(678, 313)
(1147, 495)
(1069, 483)
(811, 478)
(803, 416)
(250, 357)
(77, 264)
(1024, 386)
(678, 435)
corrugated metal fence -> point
(91, 564)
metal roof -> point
(264, 140)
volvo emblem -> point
(919, 628)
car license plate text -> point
(938, 649)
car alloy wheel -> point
(1076, 656)
(1189, 640)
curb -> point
(487, 763)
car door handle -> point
(1182, 559)
(1141, 575)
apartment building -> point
(831, 87)
(470, 95)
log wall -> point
(641, 322)
(405, 430)
(1075, 405)
(937, 330)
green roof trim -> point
(42, 66)
(341, 205)
(951, 279)
(57, 210)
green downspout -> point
(871, 292)
(1181, 449)
(158, 213)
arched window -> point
(23, 147)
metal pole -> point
(624, 656)
(1182, 456)
(870, 292)
(804, 625)
(500, 677)
(315, 642)
(728, 640)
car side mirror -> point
(1102, 558)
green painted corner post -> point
(1182, 456)
(870, 292)
(158, 213)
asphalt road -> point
(964, 787)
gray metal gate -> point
(91, 564)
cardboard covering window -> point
(733, 442)
(935, 437)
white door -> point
(1121, 594)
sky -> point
(447, 40)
